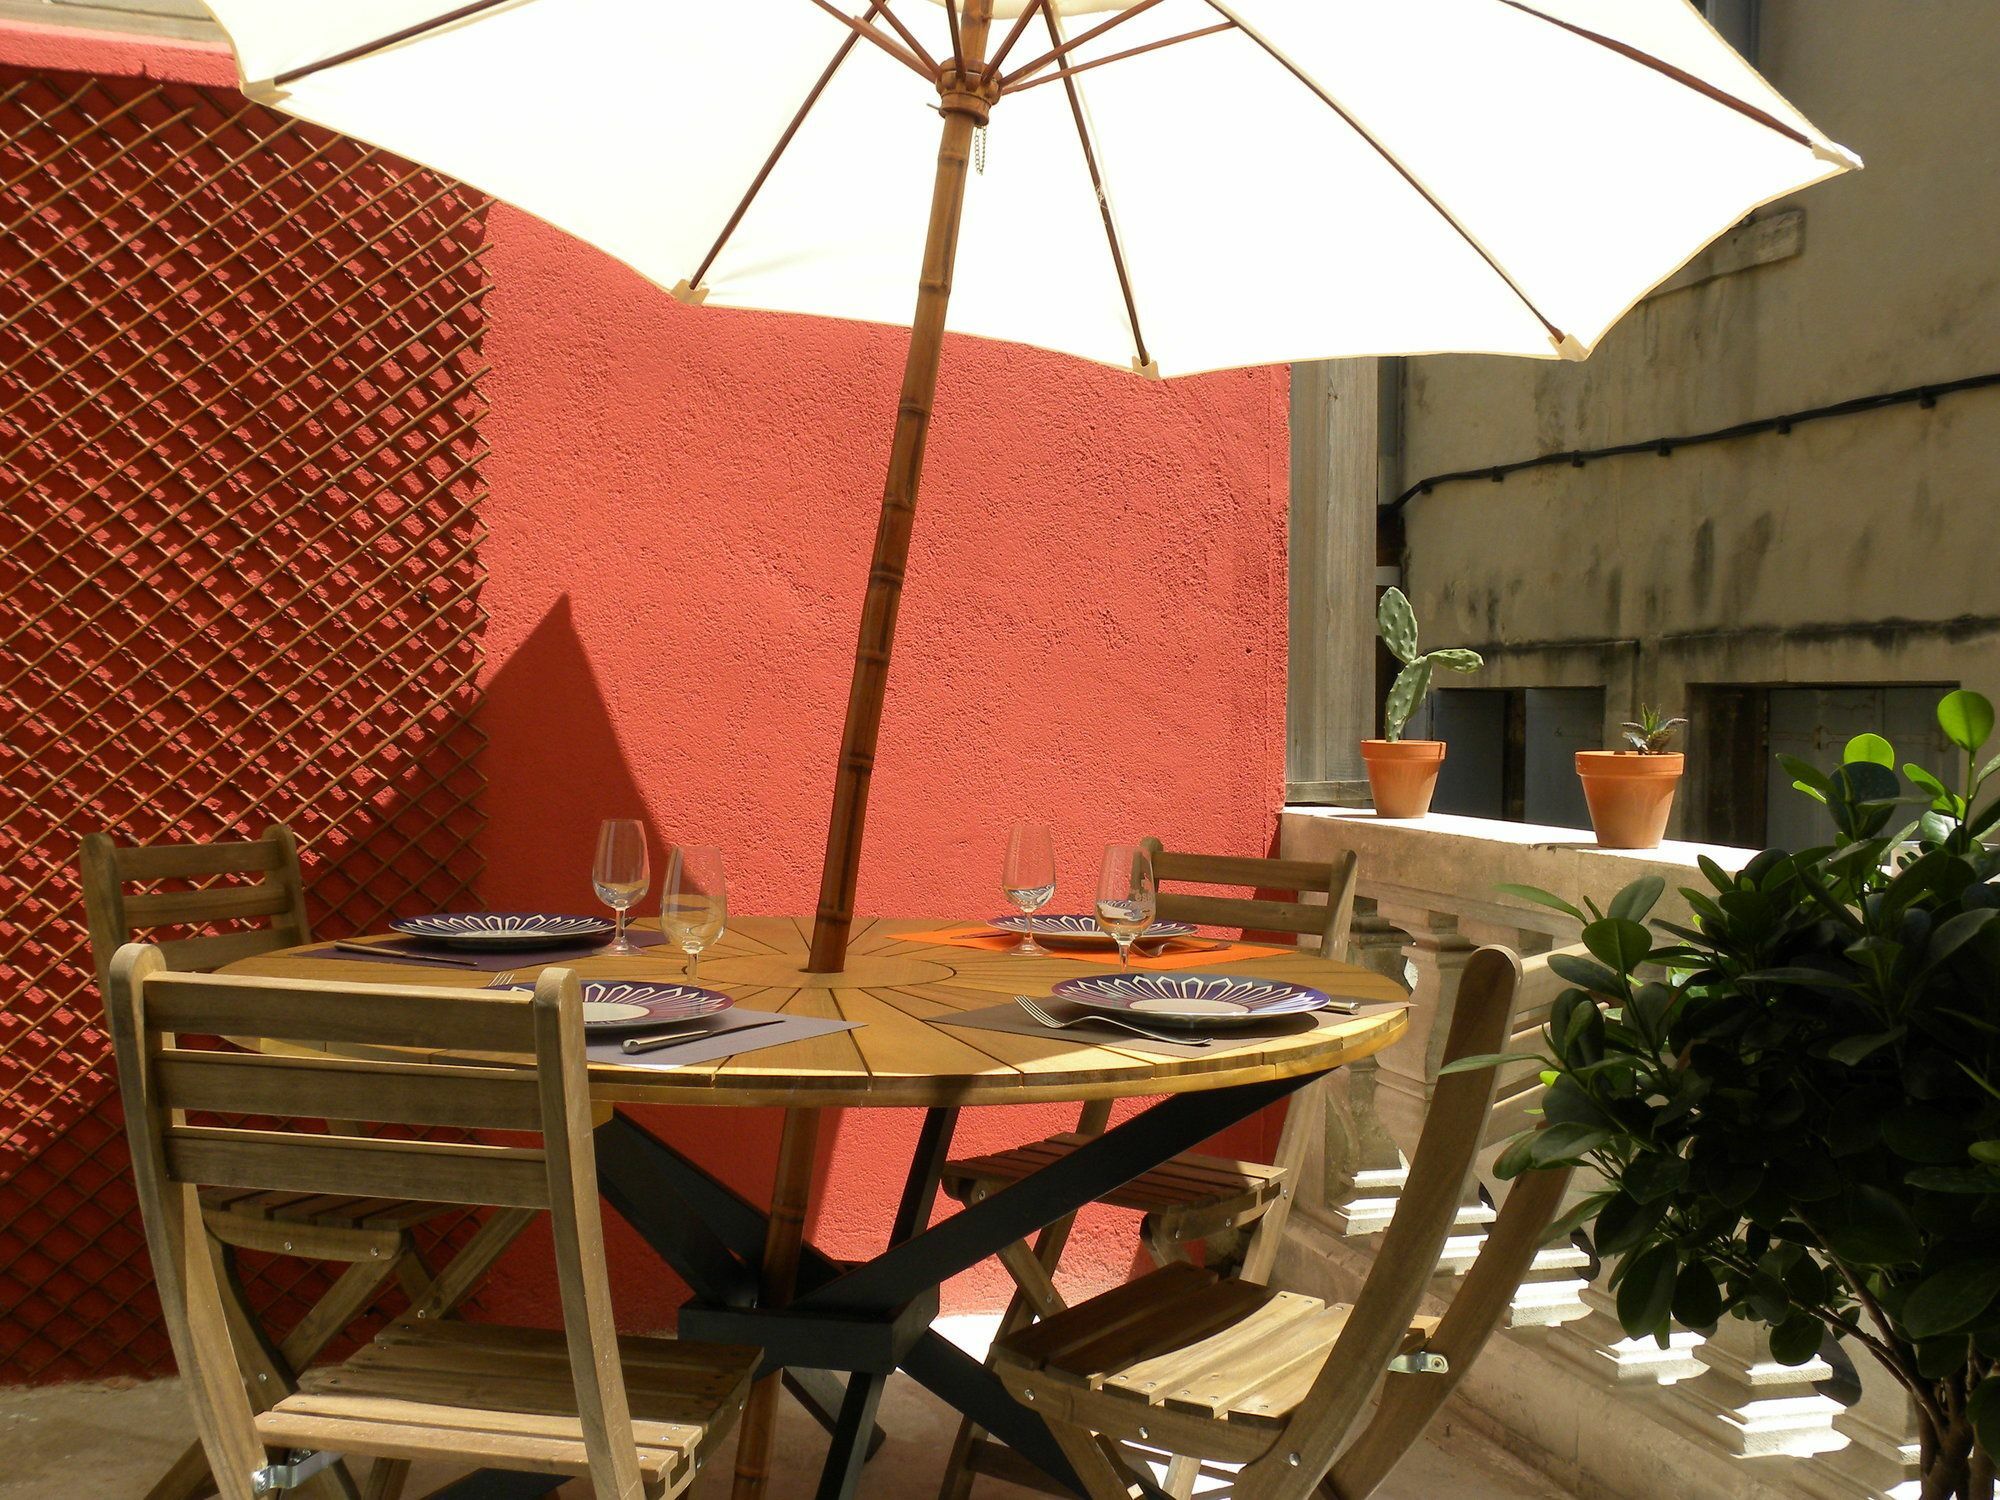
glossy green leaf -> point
(1638, 898)
(1871, 748)
(1868, 1227)
(1966, 719)
(1623, 1223)
(1622, 944)
(1646, 1291)
(1582, 971)
(1541, 897)
(1697, 1297)
(1952, 1299)
(1484, 1060)
(1796, 1340)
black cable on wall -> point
(1576, 458)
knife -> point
(397, 955)
(633, 1045)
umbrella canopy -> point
(1170, 185)
(1298, 179)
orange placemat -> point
(1176, 955)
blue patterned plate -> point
(631, 1004)
(490, 931)
(1075, 929)
(1194, 999)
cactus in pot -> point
(1402, 774)
(1397, 623)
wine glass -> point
(1028, 877)
(694, 900)
(1127, 899)
(620, 872)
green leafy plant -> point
(1793, 1102)
(1397, 623)
(1652, 733)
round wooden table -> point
(757, 1281)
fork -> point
(501, 981)
(1036, 1013)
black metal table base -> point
(870, 1320)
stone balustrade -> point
(1712, 1417)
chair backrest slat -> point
(428, 1094)
(239, 1005)
(1407, 1256)
(117, 915)
(1333, 879)
(215, 904)
(356, 1166)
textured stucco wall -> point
(1851, 550)
(683, 502)
(681, 507)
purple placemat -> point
(395, 950)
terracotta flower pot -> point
(1402, 774)
(1630, 795)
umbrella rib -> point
(408, 33)
(909, 38)
(1098, 62)
(1679, 75)
(957, 46)
(1103, 202)
(763, 173)
(1013, 35)
(861, 28)
(1064, 48)
(1556, 335)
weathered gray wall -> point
(1861, 549)
(187, 19)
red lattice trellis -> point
(239, 452)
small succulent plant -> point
(1652, 733)
(1397, 623)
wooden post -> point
(964, 101)
(791, 1197)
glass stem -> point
(1124, 953)
(618, 944)
(694, 961)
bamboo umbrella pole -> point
(964, 99)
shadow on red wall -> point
(549, 805)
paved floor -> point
(110, 1443)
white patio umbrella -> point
(1170, 185)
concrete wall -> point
(1854, 550)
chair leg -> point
(1182, 1472)
(386, 1479)
(188, 1479)
(1094, 1466)
(1035, 1295)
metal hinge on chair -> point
(1423, 1362)
(302, 1465)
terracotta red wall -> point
(681, 505)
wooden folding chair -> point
(1239, 1374)
(1237, 1209)
(371, 1235)
(637, 1415)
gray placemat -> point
(731, 1036)
(1012, 1019)
(393, 950)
